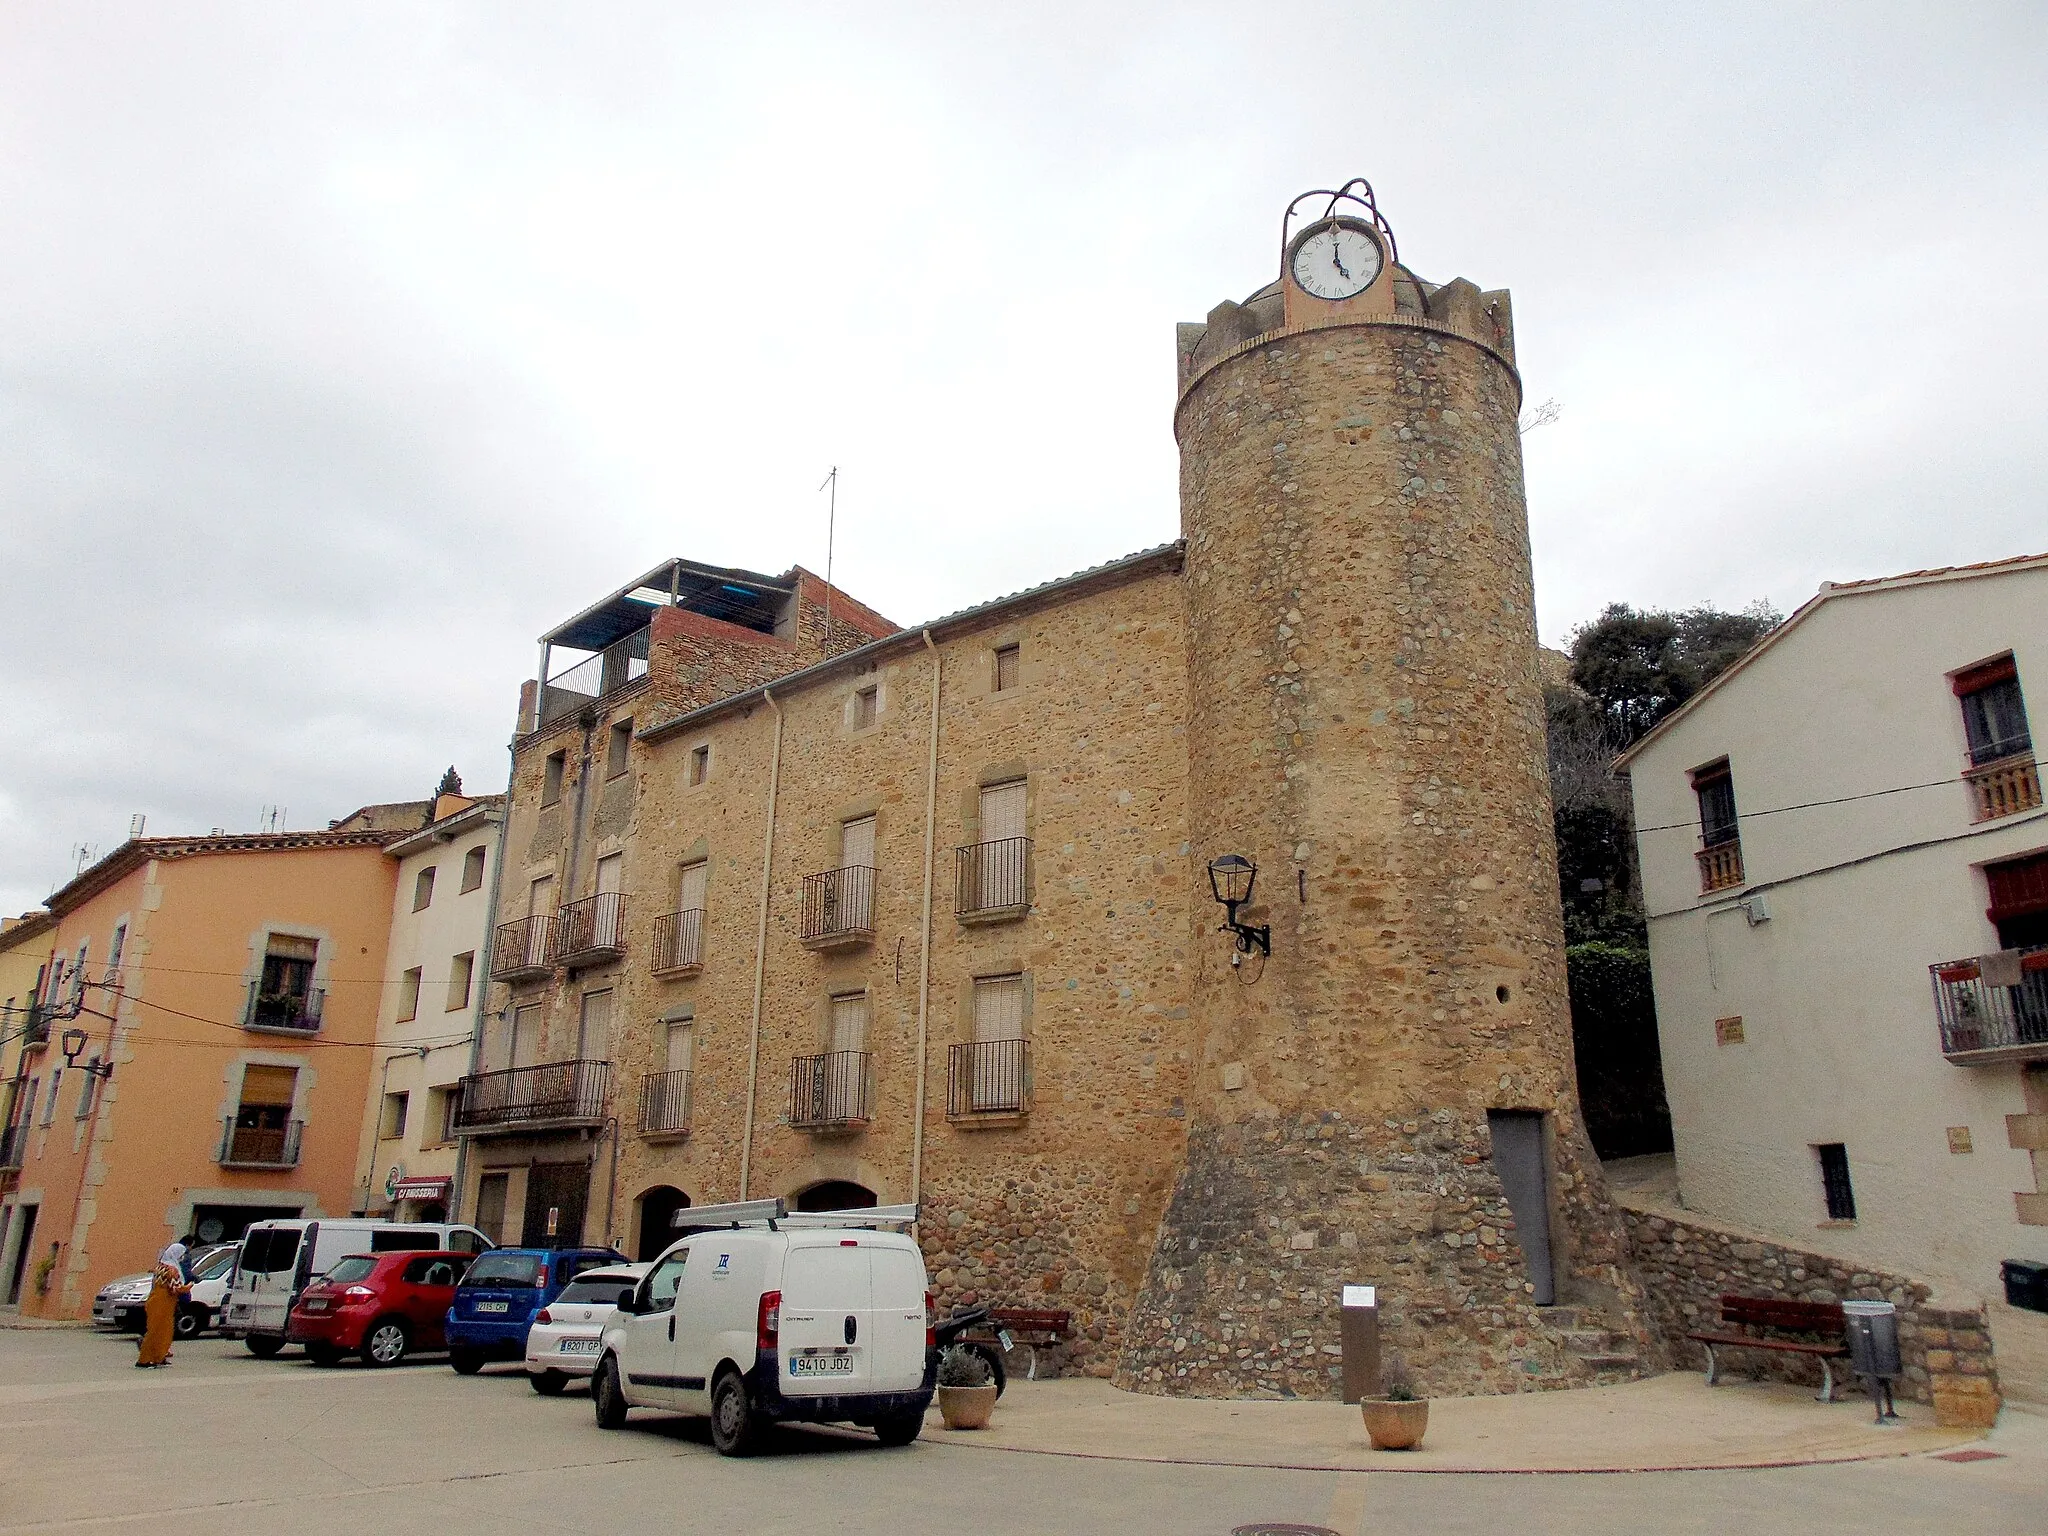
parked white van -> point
(279, 1259)
(775, 1317)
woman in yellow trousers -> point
(160, 1312)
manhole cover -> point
(1278, 1528)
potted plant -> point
(967, 1388)
(1396, 1421)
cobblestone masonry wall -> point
(1365, 720)
(1687, 1266)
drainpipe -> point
(924, 963)
(761, 949)
(479, 1009)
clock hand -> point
(1337, 258)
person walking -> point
(160, 1312)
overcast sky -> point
(345, 348)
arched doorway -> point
(658, 1207)
(835, 1195)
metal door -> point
(1518, 1157)
(560, 1188)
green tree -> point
(1638, 665)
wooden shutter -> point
(1002, 811)
(999, 1008)
(690, 896)
(857, 848)
(594, 1030)
(269, 1087)
(850, 1022)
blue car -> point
(497, 1300)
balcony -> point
(523, 950)
(1993, 1008)
(1720, 866)
(284, 1013)
(665, 1103)
(557, 1095)
(13, 1144)
(250, 1146)
(679, 943)
(591, 931)
(2004, 787)
(992, 881)
(987, 1077)
(35, 1034)
(622, 662)
(839, 908)
(829, 1092)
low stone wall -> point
(1687, 1264)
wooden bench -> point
(1030, 1326)
(1746, 1320)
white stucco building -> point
(1832, 834)
(433, 987)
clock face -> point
(1337, 262)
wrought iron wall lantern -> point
(1231, 879)
(72, 1043)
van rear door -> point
(265, 1277)
(896, 1274)
(827, 1333)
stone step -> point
(1628, 1362)
(1582, 1341)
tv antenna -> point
(82, 854)
(272, 818)
(831, 484)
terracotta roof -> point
(1830, 590)
(136, 852)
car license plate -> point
(577, 1347)
(316, 1306)
(494, 1306)
(811, 1363)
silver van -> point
(279, 1259)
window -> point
(998, 1008)
(993, 1075)
(473, 869)
(78, 974)
(1715, 787)
(284, 992)
(114, 949)
(1834, 1181)
(409, 995)
(551, 777)
(618, 748)
(679, 1044)
(261, 1132)
(857, 843)
(690, 886)
(1994, 713)
(849, 1022)
(461, 970)
(423, 889)
(594, 1027)
(663, 1281)
(50, 1100)
(395, 1105)
(1006, 667)
(864, 707)
(450, 1101)
(700, 764)
(88, 1091)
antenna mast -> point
(831, 483)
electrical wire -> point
(1808, 805)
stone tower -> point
(1389, 1098)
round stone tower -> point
(1388, 1098)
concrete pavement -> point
(222, 1444)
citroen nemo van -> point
(776, 1318)
(279, 1259)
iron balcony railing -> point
(987, 1077)
(679, 940)
(556, 1093)
(992, 877)
(622, 662)
(13, 1142)
(523, 948)
(591, 930)
(2004, 787)
(828, 1090)
(839, 906)
(254, 1146)
(1994, 1007)
(665, 1103)
(36, 1031)
(296, 1013)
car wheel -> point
(467, 1362)
(190, 1322)
(264, 1346)
(386, 1342)
(735, 1428)
(899, 1429)
(323, 1354)
(548, 1383)
(607, 1397)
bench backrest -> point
(1047, 1320)
(1771, 1312)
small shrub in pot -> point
(967, 1388)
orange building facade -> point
(232, 984)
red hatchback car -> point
(381, 1306)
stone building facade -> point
(924, 914)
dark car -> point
(500, 1295)
(380, 1306)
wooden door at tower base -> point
(556, 1194)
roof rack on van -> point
(750, 1213)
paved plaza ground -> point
(222, 1444)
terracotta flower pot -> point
(967, 1407)
(1395, 1426)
